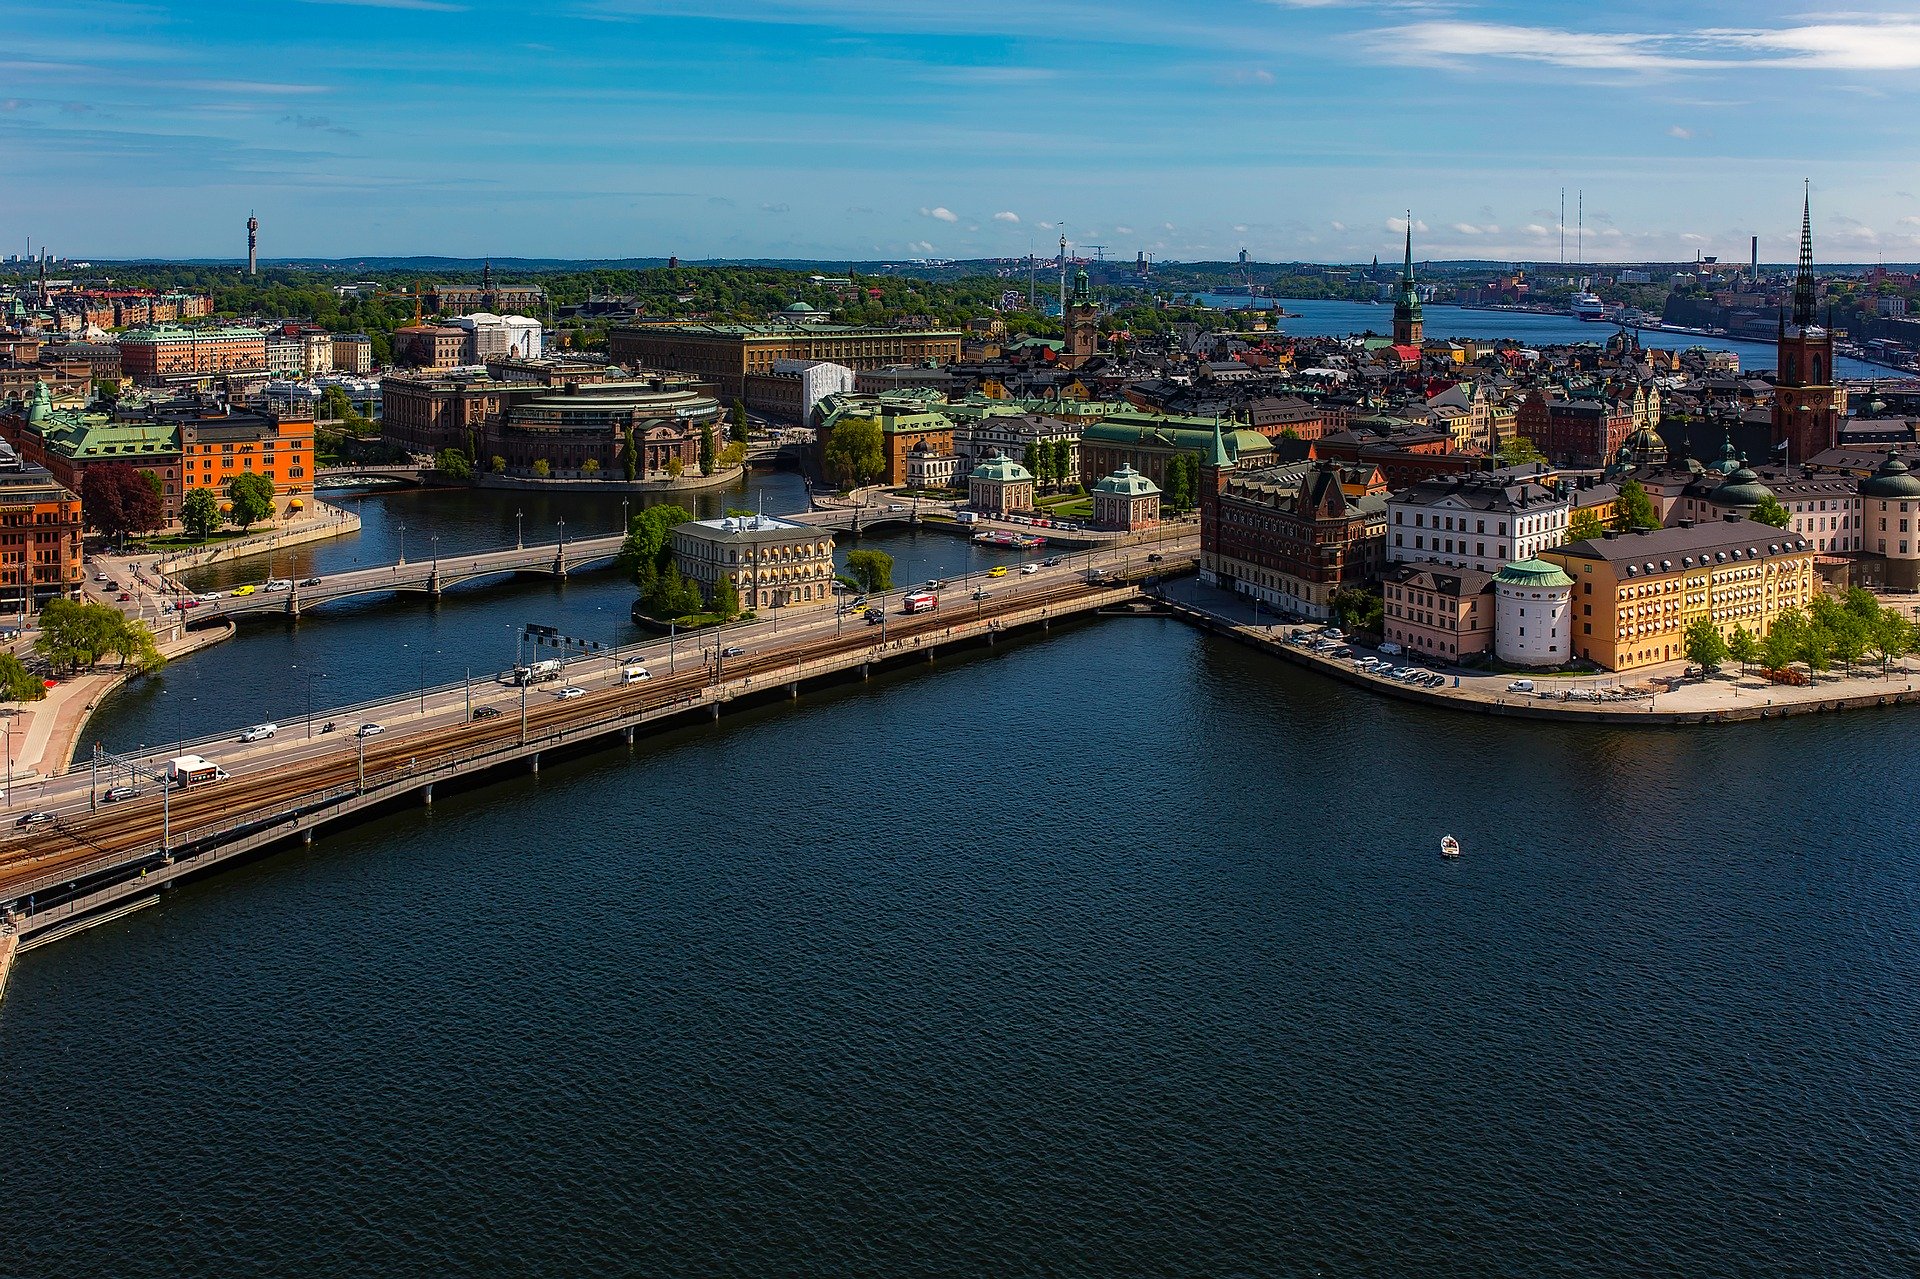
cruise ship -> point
(1588, 306)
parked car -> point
(34, 819)
(486, 712)
(369, 730)
(569, 693)
(1520, 686)
(116, 794)
(1391, 649)
(259, 732)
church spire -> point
(1803, 280)
(1406, 275)
(1408, 325)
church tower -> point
(1083, 335)
(1804, 418)
(1408, 324)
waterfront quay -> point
(96, 860)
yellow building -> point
(1635, 594)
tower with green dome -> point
(1083, 332)
(1409, 325)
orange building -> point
(218, 443)
(168, 354)
(40, 550)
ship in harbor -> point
(1588, 306)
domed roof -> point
(1002, 468)
(1729, 460)
(1743, 488)
(796, 308)
(1894, 479)
(1127, 482)
(1535, 574)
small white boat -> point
(1449, 846)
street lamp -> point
(403, 544)
(519, 542)
(625, 519)
(562, 522)
(435, 539)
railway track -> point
(122, 835)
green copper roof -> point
(1894, 479)
(1002, 468)
(1535, 573)
(1127, 482)
(1743, 488)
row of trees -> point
(119, 499)
(249, 498)
(1829, 631)
(1049, 461)
(1181, 489)
(75, 635)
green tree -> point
(1704, 646)
(708, 455)
(1771, 512)
(1783, 642)
(1035, 467)
(855, 452)
(1062, 460)
(200, 513)
(1518, 451)
(473, 450)
(630, 457)
(497, 464)
(1359, 610)
(334, 404)
(252, 497)
(107, 388)
(1585, 525)
(872, 569)
(1181, 492)
(17, 683)
(726, 598)
(740, 427)
(649, 544)
(675, 467)
(590, 468)
(1634, 509)
(453, 464)
(1891, 635)
(75, 635)
(542, 467)
(1743, 648)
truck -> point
(193, 770)
(538, 673)
(921, 602)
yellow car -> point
(243, 590)
(999, 571)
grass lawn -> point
(1073, 508)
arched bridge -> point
(426, 577)
(406, 472)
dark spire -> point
(1803, 280)
(1406, 276)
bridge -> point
(410, 472)
(89, 861)
(425, 577)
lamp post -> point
(625, 519)
(435, 539)
(519, 542)
(403, 543)
(562, 522)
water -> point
(1125, 951)
(1326, 318)
(376, 646)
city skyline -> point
(852, 129)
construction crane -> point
(1100, 251)
(413, 293)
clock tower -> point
(1804, 416)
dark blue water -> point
(1121, 952)
(1327, 318)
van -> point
(1392, 650)
(1520, 686)
(635, 674)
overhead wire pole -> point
(135, 768)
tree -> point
(497, 464)
(1585, 525)
(335, 405)
(630, 457)
(118, 500)
(252, 497)
(855, 452)
(542, 467)
(1743, 648)
(590, 468)
(107, 388)
(1518, 451)
(726, 598)
(708, 456)
(453, 464)
(672, 595)
(473, 449)
(740, 421)
(872, 569)
(1359, 610)
(733, 455)
(1771, 512)
(200, 513)
(1634, 509)
(1891, 635)
(17, 683)
(1035, 467)
(1062, 460)
(1182, 486)
(649, 544)
(675, 467)
(73, 635)
(1704, 646)
(1781, 647)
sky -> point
(888, 129)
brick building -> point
(725, 355)
(169, 355)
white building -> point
(1010, 434)
(1532, 603)
(773, 563)
(1483, 520)
(316, 353)
(286, 356)
(818, 380)
(491, 336)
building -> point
(1443, 613)
(929, 469)
(1292, 543)
(69, 442)
(40, 531)
(430, 346)
(101, 358)
(773, 563)
(790, 389)
(1083, 331)
(1806, 407)
(1531, 601)
(1579, 432)
(168, 355)
(286, 355)
(491, 337)
(1890, 514)
(1126, 502)
(1409, 325)
(486, 296)
(725, 355)
(1147, 443)
(1000, 486)
(1635, 594)
(425, 411)
(1481, 520)
(219, 441)
(352, 353)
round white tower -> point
(1532, 603)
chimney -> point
(1640, 530)
(1687, 523)
(1609, 535)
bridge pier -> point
(713, 710)
(293, 603)
(533, 762)
(560, 566)
(866, 670)
(426, 796)
(628, 734)
(433, 584)
(793, 690)
(306, 837)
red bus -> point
(921, 602)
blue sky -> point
(897, 128)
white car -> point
(369, 730)
(1029, 569)
(259, 732)
(280, 584)
(568, 694)
(208, 597)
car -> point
(35, 818)
(1029, 568)
(279, 584)
(100, 577)
(876, 618)
(1392, 650)
(112, 585)
(859, 601)
(259, 732)
(243, 590)
(1520, 686)
(569, 693)
(998, 570)
(896, 507)
(1155, 558)
(486, 712)
(309, 581)
(185, 604)
(733, 650)
(125, 596)
(207, 597)
(368, 730)
(982, 593)
(932, 584)
(1436, 681)
(1052, 561)
(116, 794)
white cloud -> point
(1535, 229)
(1338, 226)
(940, 214)
(1466, 228)
(1399, 226)
(1853, 42)
(1006, 217)
(921, 246)
(1123, 230)
(1677, 132)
